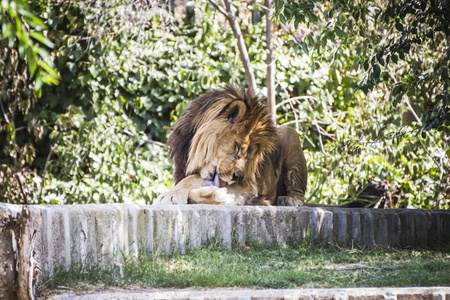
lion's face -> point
(236, 160)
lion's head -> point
(223, 136)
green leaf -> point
(444, 75)
(11, 132)
(296, 23)
(305, 48)
(324, 41)
(32, 19)
(6, 30)
(49, 69)
(310, 39)
(31, 61)
(366, 65)
(390, 12)
(42, 39)
(394, 58)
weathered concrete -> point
(8, 251)
(49, 236)
(435, 293)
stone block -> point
(367, 297)
(445, 228)
(303, 225)
(434, 230)
(340, 226)
(367, 228)
(407, 228)
(380, 222)
(145, 230)
(394, 227)
(354, 227)
(415, 297)
(421, 219)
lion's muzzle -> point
(237, 177)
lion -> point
(227, 150)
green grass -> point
(276, 267)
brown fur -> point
(229, 133)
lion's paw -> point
(222, 196)
(212, 195)
(170, 199)
(289, 201)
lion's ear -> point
(235, 111)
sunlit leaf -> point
(42, 39)
(31, 61)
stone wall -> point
(44, 237)
(410, 293)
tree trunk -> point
(229, 13)
(270, 79)
(27, 271)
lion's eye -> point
(237, 149)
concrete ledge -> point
(435, 293)
(44, 237)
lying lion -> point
(226, 150)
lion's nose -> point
(237, 177)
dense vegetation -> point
(370, 101)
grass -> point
(258, 267)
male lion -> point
(226, 150)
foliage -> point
(24, 31)
(403, 45)
(120, 83)
(417, 33)
(128, 69)
(25, 65)
(375, 135)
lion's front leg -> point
(289, 201)
(179, 193)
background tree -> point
(128, 69)
(403, 47)
(25, 65)
(386, 34)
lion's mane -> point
(195, 136)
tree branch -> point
(219, 8)
(270, 78)
(295, 99)
(47, 163)
(21, 189)
(229, 13)
(126, 131)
